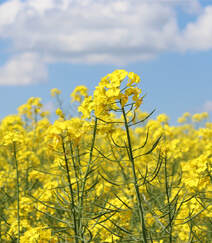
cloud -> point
(8, 13)
(103, 31)
(91, 31)
(23, 69)
(198, 35)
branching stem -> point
(73, 209)
(18, 192)
(131, 158)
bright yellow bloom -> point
(79, 92)
(52, 165)
(59, 113)
(55, 92)
(163, 118)
(199, 117)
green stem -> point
(87, 171)
(140, 207)
(0, 232)
(77, 181)
(18, 192)
(168, 200)
(75, 169)
(71, 192)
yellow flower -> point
(124, 99)
(59, 113)
(199, 116)
(86, 107)
(163, 118)
(133, 79)
(55, 92)
(149, 219)
(79, 92)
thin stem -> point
(18, 192)
(75, 169)
(140, 207)
(90, 160)
(86, 174)
(78, 186)
(71, 192)
(168, 200)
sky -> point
(47, 44)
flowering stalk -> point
(71, 192)
(18, 191)
(131, 158)
(168, 200)
(87, 173)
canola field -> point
(112, 173)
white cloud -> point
(92, 31)
(103, 31)
(23, 69)
(8, 14)
(198, 35)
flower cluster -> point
(105, 179)
(109, 94)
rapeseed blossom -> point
(75, 178)
(55, 92)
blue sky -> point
(64, 43)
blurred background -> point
(64, 43)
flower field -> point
(110, 174)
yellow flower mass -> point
(111, 174)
